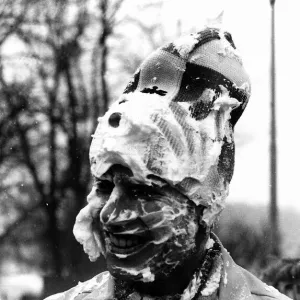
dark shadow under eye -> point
(104, 186)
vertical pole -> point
(275, 242)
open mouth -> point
(125, 243)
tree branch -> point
(23, 139)
(23, 217)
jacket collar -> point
(233, 284)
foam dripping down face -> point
(154, 165)
(145, 230)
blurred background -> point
(62, 62)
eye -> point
(103, 186)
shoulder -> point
(261, 290)
(237, 283)
(100, 287)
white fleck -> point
(225, 278)
(177, 244)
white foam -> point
(147, 276)
(210, 243)
(185, 45)
(213, 283)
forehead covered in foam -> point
(153, 136)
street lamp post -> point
(275, 245)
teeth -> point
(123, 242)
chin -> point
(146, 262)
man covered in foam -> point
(162, 158)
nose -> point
(120, 208)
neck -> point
(173, 284)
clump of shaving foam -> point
(83, 229)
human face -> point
(146, 231)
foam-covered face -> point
(146, 231)
(152, 135)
